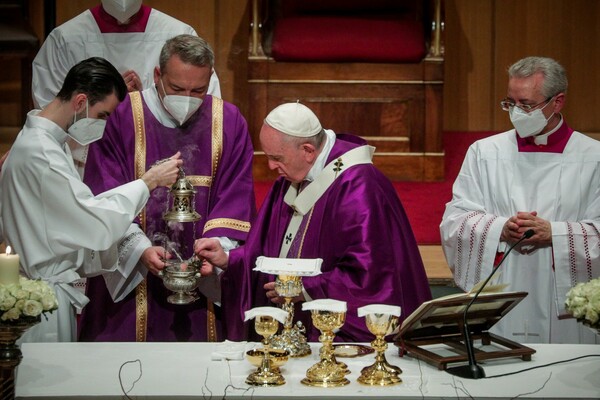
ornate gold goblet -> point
(292, 338)
(328, 372)
(266, 374)
(381, 373)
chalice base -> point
(326, 374)
(263, 377)
(181, 298)
(380, 374)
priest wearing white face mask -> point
(125, 32)
(543, 176)
(176, 114)
(60, 230)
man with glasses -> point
(543, 176)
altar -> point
(186, 371)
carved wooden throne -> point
(373, 68)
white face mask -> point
(528, 124)
(86, 130)
(180, 107)
(121, 10)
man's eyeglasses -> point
(508, 104)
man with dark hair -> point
(176, 114)
(60, 230)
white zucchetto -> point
(294, 119)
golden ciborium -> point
(288, 285)
(292, 338)
(381, 320)
(327, 316)
(266, 323)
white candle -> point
(9, 268)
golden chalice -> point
(326, 317)
(292, 338)
(381, 321)
(267, 373)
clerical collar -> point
(554, 141)
(34, 120)
(109, 24)
(319, 164)
(153, 102)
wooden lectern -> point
(434, 331)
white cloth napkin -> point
(289, 266)
(274, 312)
(378, 309)
(325, 305)
(228, 350)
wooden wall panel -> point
(482, 38)
(468, 64)
(567, 31)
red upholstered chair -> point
(368, 67)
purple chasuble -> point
(360, 230)
(226, 206)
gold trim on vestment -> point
(217, 149)
(141, 290)
(200, 180)
(230, 223)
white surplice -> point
(495, 182)
(60, 230)
(80, 38)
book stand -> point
(438, 325)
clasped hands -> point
(516, 226)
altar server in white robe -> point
(60, 230)
(127, 33)
(541, 175)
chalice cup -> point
(381, 373)
(328, 372)
(292, 338)
(267, 373)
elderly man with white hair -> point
(329, 202)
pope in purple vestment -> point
(218, 163)
(357, 226)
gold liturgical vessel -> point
(327, 316)
(381, 320)
(292, 338)
(181, 276)
(266, 323)
(288, 284)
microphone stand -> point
(472, 370)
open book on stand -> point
(434, 331)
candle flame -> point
(8, 249)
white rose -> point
(11, 315)
(32, 308)
(6, 301)
(49, 302)
(19, 293)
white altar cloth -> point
(185, 371)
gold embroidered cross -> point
(338, 166)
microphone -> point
(472, 370)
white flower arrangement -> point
(583, 302)
(26, 300)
